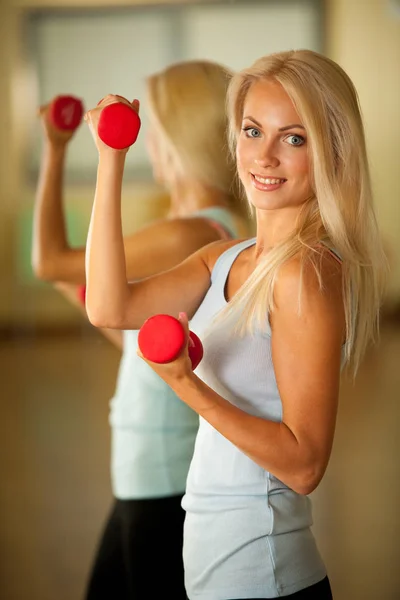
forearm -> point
(107, 287)
(49, 232)
(272, 445)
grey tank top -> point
(247, 535)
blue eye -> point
(252, 132)
(296, 140)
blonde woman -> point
(279, 314)
(153, 432)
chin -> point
(274, 201)
(269, 203)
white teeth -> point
(268, 180)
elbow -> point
(106, 309)
(97, 319)
(43, 270)
(308, 480)
(304, 488)
(100, 318)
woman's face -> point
(272, 156)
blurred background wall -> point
(364, 38)
(95, 47)
(53, 45)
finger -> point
(183, 318)
(121, 99)
(110, 99)
(41, 110)
(136, 105)
(184, 321)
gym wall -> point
(55, 47)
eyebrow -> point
(293, 126)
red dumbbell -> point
(119, 125)
(66, 112)
(162, 338)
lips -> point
(269, 180)
(267, 184)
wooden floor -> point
(54, 460)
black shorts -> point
(140, 552)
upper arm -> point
(180, 289)
(152, 249)
(67, 265)
(306, 351)
(164, 244)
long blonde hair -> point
(341, 212)
(187, 107)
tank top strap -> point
(332, 251)
(223, 232)
(221, 219)
(225, 261)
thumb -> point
(183, 319)
(136, 105)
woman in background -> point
(153, 432)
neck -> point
(190, 196)
(273, 227)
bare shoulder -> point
(311, 290)
(323, 274)
(213, 251)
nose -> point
(267, 157)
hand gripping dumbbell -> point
(162, 338)
(66, 112)
(119, 125)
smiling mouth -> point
(267, 184)
(268, 180)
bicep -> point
(180, 289)
(67, 265)
(306, 352)
(151, 250)
(164, 244)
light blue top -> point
(247, 534)
(153, 431)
